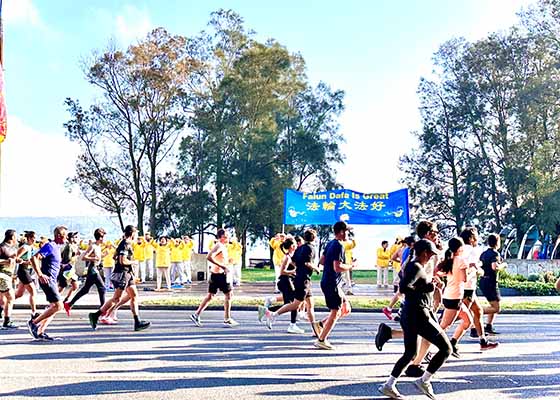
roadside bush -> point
(531, 288)
(534, 278)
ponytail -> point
(454, 245)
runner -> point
(403, 254)
(25, 272)
(93, 257)
(418, 319)
(8, 262)
(50, 258)
(123, 281)
(491, 263)
(67, 277)
(286, 284)
(472, 257)
(454, 267)
(219, 261)
(334, 263)
(304, 258)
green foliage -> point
(534, 278)
(531, 288)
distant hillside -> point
(44, 225)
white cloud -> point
(20, 12)
(35, 166)
(132, 24)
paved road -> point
(175, 360)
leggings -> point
(286, 286)
(91, 279)
(421, 322)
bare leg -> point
(329, 324)
(204, 303)
(227, 305)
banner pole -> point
(282, 229)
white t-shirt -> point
(455, 287)
(472, 256)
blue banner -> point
(326, 208)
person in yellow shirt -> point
(139, 255)
(277, 256)
(149, 256)
(163, 261)
(108, 250)
(187, 256)
(177, 269)
(235, 252)
(383, 258)
(349, 246)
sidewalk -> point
(255, 290)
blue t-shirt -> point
(50, 263)
(405, 254)
(334, 251)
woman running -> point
(418, 319)
(454, 268)
(286, 283)
(25, 273)
(472, 257)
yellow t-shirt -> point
(235, 252)
(163, 255)
(149, 249)
(108, 260)
(383, 257)
(176, 251)
(139, 251)
(188, 250)
(396, 264)
(278, 255)
(348, 246)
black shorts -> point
(122, 280)
(25, 275)
(302, 289)
(452, 304)
(287, 288)
(333, 296)
(490, 289)
(469, 294)
(218, 282)
(51, 291)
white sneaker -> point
(390, 391)
(293, 328)
(196, 319)
(426, 388)
(323, 345)
(268, 301)
(269, 320)
(230, 323)
(261, 313)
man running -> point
(25, 272)
(334, 263)
(124, 282)
(50, 258)
(8, 257)
(219, 269)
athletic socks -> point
(136, 320)
(426, 377)
(391, 381)
(453, 342)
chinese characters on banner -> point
(325, 208)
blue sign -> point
(326, 208)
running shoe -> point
(414, 371)
(268, 300)
(93, 319)
(293, 328)
(388, 313)
(230, 323)
(426, 388)
(196, 319)
(9, 325)
(260, 313)
(455, 351)
(383, 336)
(390, 391)
(107, 321)
(46, 338)
(67, 308)
(317, 328)
(474, 333)
(36, 315)
(269, 321)
(489, 329)
(176, 286)
(323, 345)
(142, 325)
(33, 329)
(487, 345)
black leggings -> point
(421, 322)
(286, 286)
(91, 279)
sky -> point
(376, 51)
